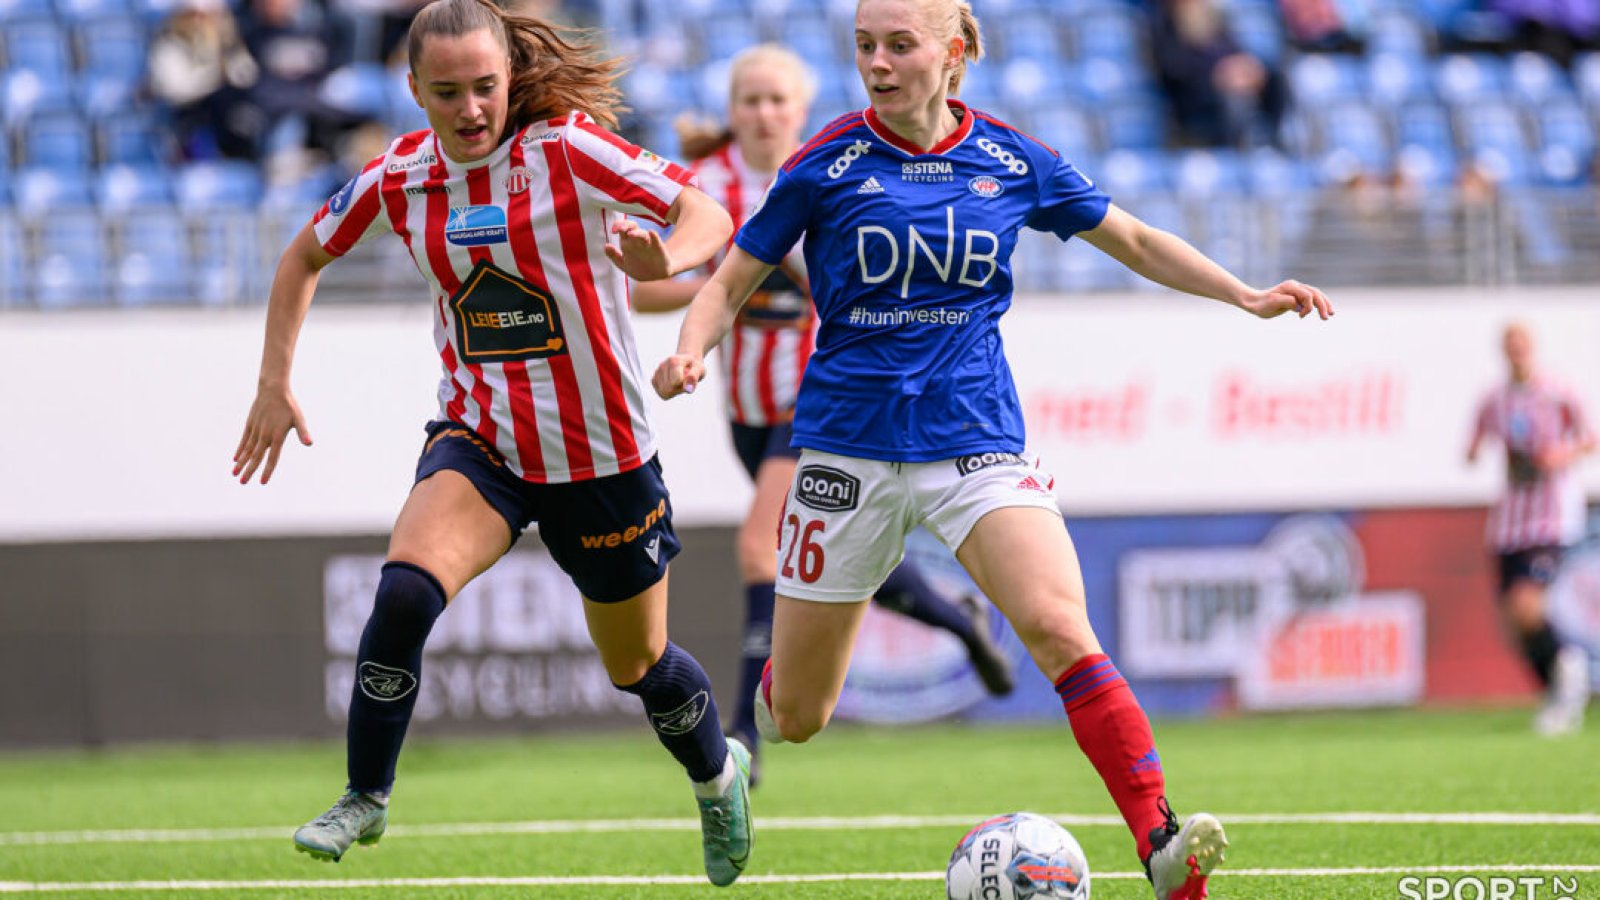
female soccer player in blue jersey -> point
(908, 415)
(762, 360)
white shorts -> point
(845, 521)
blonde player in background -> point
(513, 205)
(1544, 431)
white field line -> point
(29, 887)
(776, 823)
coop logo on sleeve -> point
(475, 226)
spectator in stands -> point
(1219, 95)
(201, 70)
(297, 46)
(1557, 28)
(1318, 26)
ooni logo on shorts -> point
(973, 462)
(851, 154)
(827, 489)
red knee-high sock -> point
(1113, 732)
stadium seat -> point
(1426, 165)
(89, 11)
(13, 287)
(1535, 79)
(711, 84)
(114, 47)
(1320, 78)
(1030, 35)
(1068, 130)
(404, 115)
(1586, 72)
(1397, 32)
(1031, 82)
(154, 259)
(70, 268)
(1134, 124)
(1106, 81)
(1258, 31)
(1270, 174)
(359, 89)
(119, 188)
(1492, 124)
(1394, 78)
(218, 185)
(1209, 173)
(39, 191)
(38, 45)
(1355, 133)
(104, 95)
(1110, 33)
(1425, 124)
(724, 35)
(1566, 143)
(815, 41)
(1134, 173)
(1469, 78)
(58, 140)
(13, 10)
(133, 137)
(24, 93)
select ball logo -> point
(827, 489)
(986, 186)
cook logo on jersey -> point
(683, 719)
(384, 683)
(518, 179)
(986, 186)
(501, 318)
(475, 226)
(340, 202)
(827, 489)
(975, 462)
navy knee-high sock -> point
(389, 672)
(1539, 648)
(906, 592)
(758, 600)
(678, 702)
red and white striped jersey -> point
(530, 319)
(765, 354)
(1539, 508)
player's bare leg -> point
(1024, 560)
(811, 644)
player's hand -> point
(678, 374)
(639, 252)
(272, 414)
(1288, 296)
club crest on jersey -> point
(518, 179)
(826, 488)
(340, 202)
(475, 226)
(501, 318)
(986, 186)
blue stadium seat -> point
(724, 35)
(71, 265)
(38, 45)
(104, 95)
(133, 137)
(1068, 130)
(58, 140)
(1586, 72)
(815, 40)
(1105, 81)
(87, 11)
(1423, 123)
(1134, 173)
(1111, 33)
(1566, 143)
(360, 89)
(1469, 77)
(1030, 34)
(1258, 31)
(12, 10)
(1030, 82)
(154, 263)
(1320, 78)
(218, 185)
(654, 90)
(1536, 79)
(404, 115)
(1355, 132)
(113, 46)
(1134, 125)
(24, 93)
(119, 188)
(711, 84)
(1210, 173)
(1397, 32)
(1426, 165)
(1394, 79)
(40, 191)
(1490, 124)
(13, 287)
(1269, 173)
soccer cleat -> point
(988, 660)
(1568, 699)
(766, 726)
(1181, 858)
(355, 819)
(726, 831)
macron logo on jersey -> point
(475, 226)
(870, 186)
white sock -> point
(716, 787)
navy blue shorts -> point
(613, 536)
(1536, 564)
(756, 444)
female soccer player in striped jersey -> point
(763, 357)
(908, 415)
(506, 203)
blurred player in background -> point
(908, 415)
(507, 204)
(1541, 513)
(762, 360)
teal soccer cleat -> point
(355, 819)
(725, 827)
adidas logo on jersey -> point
(870, 186)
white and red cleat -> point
(1182, 857)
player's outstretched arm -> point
(707, 322)
(275, 411)
(700, 227)
(1167, 259)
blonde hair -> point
(699, 138)
(948, 19)
(554, 70)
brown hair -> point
(554, 70)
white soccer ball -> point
(1017, 856)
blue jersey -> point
(909, 254)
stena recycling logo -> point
(1013, 165)
(986, 186)
(851, 153)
